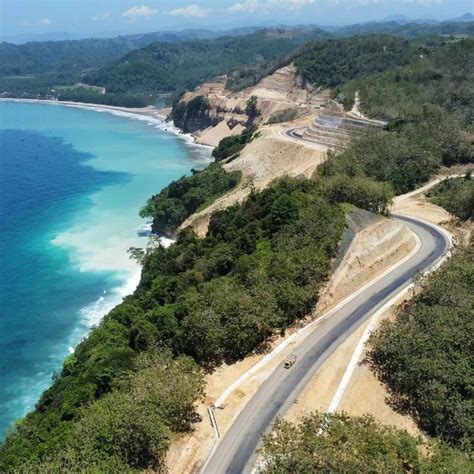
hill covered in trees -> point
(426, 356)
(149, 64)
(341, 444)
(456, 195)
(36, 68)
(163, 67)
(428, 104)
(333, 62)
(214, 299)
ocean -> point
(72, 182)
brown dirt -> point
(391, 241)
(280, 91)
(265, 159)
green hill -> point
(163, 67)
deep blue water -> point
(71, 183)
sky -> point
(110, 17)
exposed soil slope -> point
(283, 90)
(265, 159)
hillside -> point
(164, 67)
(254, 274)
(41, 57)
(36, 69)
(333, 62)
(259, 256)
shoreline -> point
(93, 313)
(151, 114)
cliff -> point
(281, 95)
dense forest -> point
(335, 61)
(341, 444)
(456, 195)
(175, 61)
(441, 74)
(37, 69)
(182, 66)
(428, 104)
(185, 196)
(426, 356)
(215, 299)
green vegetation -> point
(456, 195)
(445, 29)
(83, 94)
(186, 195)
(428, 104)
(334, 62)
(406, 155)
(341, 444)
(37, 69)
(360, 191)
(215, 299)
(193, 115)
(233, 145)
(164, 67)
(286, 115)
(128, 422)
(248, 76)
(440, 75)
(426, 356)
(252, 110)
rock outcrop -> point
(226, 115)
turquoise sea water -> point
(71, 184)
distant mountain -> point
(26, 38)
(396, 19)
(467, 17)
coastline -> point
(150, 114)
(92, 313)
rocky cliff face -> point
(224, 112)
(194, 115)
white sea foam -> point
(96, 247)
(94, 312)
(158, 122)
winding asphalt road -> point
(235, 454)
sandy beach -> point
(150, 113)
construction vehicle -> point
(289, 361)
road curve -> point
(235, 453)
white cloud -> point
(139, 11)
(266, 6)
(43, 22)
(189, 11)
(425, 2)
(102, 16)
(249, 6)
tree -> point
(340, 444)
(425, 357)
(252, 110)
